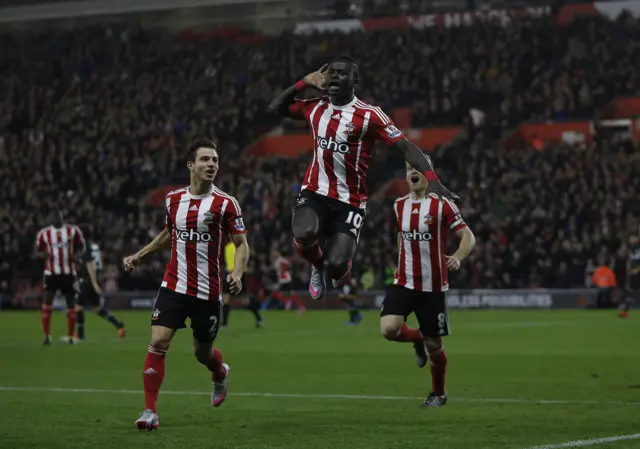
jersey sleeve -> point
(383, 128)
(396, 210)
(40, 241)
(453, 219)
(168, 221)
(234, 223)
(301, 108)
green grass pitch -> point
(516, 379)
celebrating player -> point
(59, 244)
(421, 280)
(198, 218)
(334, 194)
(91, 294)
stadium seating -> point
(92, 119)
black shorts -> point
(335, 216)
(430, 309)
(171, 310)
(67, 284)
(88, 296)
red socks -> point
(215, 366)
(406, 334)
(45, 313)
(283, 299)
(153, 375)
(297, 301)
(438, 362)
(71, 322)
(312, 252)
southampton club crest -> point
(208, 217)
(349, 128)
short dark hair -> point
(348, 59)
(196, 144)
(344, 58)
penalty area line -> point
(318, 396)
(591, 442)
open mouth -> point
(415, 179)
(333, 86)
(210, 172)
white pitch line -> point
(319, 396)
(592, 442)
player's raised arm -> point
(386, 132)
(284, 104)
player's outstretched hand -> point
(452, 263)
(317, 78)
(130, 262)
(439, 189)
(235, 283)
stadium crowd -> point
(91, 119)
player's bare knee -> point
(434, 344)
(389, 326)
(161, 337)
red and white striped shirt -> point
(423, 227)
(199, 225)
(61, 245)
(283, 270)
(343, 144)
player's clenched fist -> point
(130, 262)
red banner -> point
(628, 107)
(294, 145)
(539, 135)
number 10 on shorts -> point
(354, 219)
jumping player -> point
(284, 288)
(91, 294)
(333, 197)
(198, 218)
(421, 280)
(59, 244)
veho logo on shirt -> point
(416, 235)
(330, 144)
(193, 236)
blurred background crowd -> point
(92, 118)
